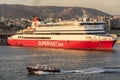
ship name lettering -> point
(50, 43)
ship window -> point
(37, 37)
(20, 36)
(68, 33)
(88, 37)
(92, 23)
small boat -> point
(42, 69)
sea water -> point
(74, 64)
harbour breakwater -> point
(118, 41)
(4, 35)
(116, 32)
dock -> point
(118, 41)
(4, 35)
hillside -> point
(47, 11)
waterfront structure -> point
(115, 23)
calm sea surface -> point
(14, 60)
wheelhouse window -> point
(92, 23)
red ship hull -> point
(96, 45)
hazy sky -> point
(109, 6)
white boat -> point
(66, 35)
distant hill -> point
(47, 11)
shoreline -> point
(116, 32)
(118, 41)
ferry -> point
(89, 35)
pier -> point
(4, 34)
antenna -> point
(84, 13)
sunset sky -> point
(109, 6)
